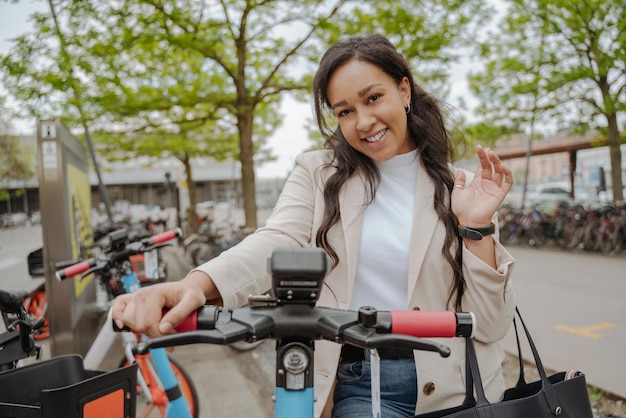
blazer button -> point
(429, 388)
(416, 308)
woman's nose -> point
(365, 121)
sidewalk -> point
(230, 383)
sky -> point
(286, 142)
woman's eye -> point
(343, 113)
(374, 97)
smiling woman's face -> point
(370, 108)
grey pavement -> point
(230, 382)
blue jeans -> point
(398, 389)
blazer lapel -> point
(424, 222)
(351, 205)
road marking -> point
(589, 331)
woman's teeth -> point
(376, 137)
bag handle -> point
(482, 404)
(546, 385)
(472, 359)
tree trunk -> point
(192, 215)
(246, 157)
(614, 143)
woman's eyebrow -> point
(361, 93)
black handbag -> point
(562, 394)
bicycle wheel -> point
(158, 407)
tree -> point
(208, 74)
(562, 62)
(15, 159)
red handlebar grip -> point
(424, 324)
(72, 271)
(189, 324)
(164, 236)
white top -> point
(382, 272)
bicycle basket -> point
(61, 387)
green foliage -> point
(595, 394)
(557, 63)
(562, 60)
(486, 134)
(190, 78)
(15, 160)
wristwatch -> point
(476, 234)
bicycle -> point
(289, 316)
(59, 386)
(163, 384)
(211, 240)
(18, 341)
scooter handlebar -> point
(432, 324)
(366, 328)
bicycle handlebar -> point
(11, 300)
(75, 269)
(162, 237)
(120, 248)
(18, 340)
(365, 328)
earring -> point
(407, 108)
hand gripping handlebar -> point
(119, 248)
(291, 314)
(366, 328)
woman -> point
(403, 228)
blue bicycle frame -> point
(294, 385)
(177, 406)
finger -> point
(502, 175)
(117, 310)
(180, 311)
(498, 168)
(128, 315)
(147, 308)
(459, 180)
(508, 179)
(485, 168)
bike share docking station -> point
(61, 386)
(65, 201)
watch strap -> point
(476, 234)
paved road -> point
(572, 303)
(15, 244)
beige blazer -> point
(241, 271)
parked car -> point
(556, 192)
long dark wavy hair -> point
(427, 131)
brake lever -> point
(214, 336)
(154, 246)
(368, 338)
(100, 265)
